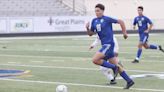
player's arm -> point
(134, 27)
(149, 28)
(94, 44)
(122, 24)
(89, 31)
(134, 24)
(150, 25)
(123, 27)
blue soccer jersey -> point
(103, 27)
(142, 22)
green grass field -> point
(67, 60)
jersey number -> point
(98, 27)
(140, 23)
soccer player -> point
(143, 30)
(102, 25)
(105, 70)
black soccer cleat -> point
(113, 82)
(129, 84)
(135, 61)
(161, 49)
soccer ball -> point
(61, 88)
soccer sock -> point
(106, 72)
(139, 52)
(125, 76)
(110, 76)
(153, 46)
(108, 65)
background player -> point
(102, 25)
(143, 30)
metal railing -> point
(75, 5)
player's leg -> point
(103, 52)
(116, 50)
(108, 51)
(146, 45)
(153, 46)
(142, 40)
(139, 53)
(115, 62)
(98, 58)
(123, 74)
(110, 56)
(108, 74)
(161, 49)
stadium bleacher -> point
(10, 8)
(53, 8)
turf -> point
(67, 60)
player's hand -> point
(125, 36)
(91, 47)
(146, 31)
(87, 25)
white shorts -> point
(116, 47)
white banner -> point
(60, 24)
(3, 25)
(55, 24)
(43, 24)
(21, 25)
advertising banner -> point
(21, 25)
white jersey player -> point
(105, 70)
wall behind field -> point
(127, 10)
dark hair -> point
(101, 6)
(140, 7)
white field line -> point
(145, 61)
(86, 51)
(78, 84)
(73, 68)
(54, 57)
(37, 61)
(58, 37)
(13, 62)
